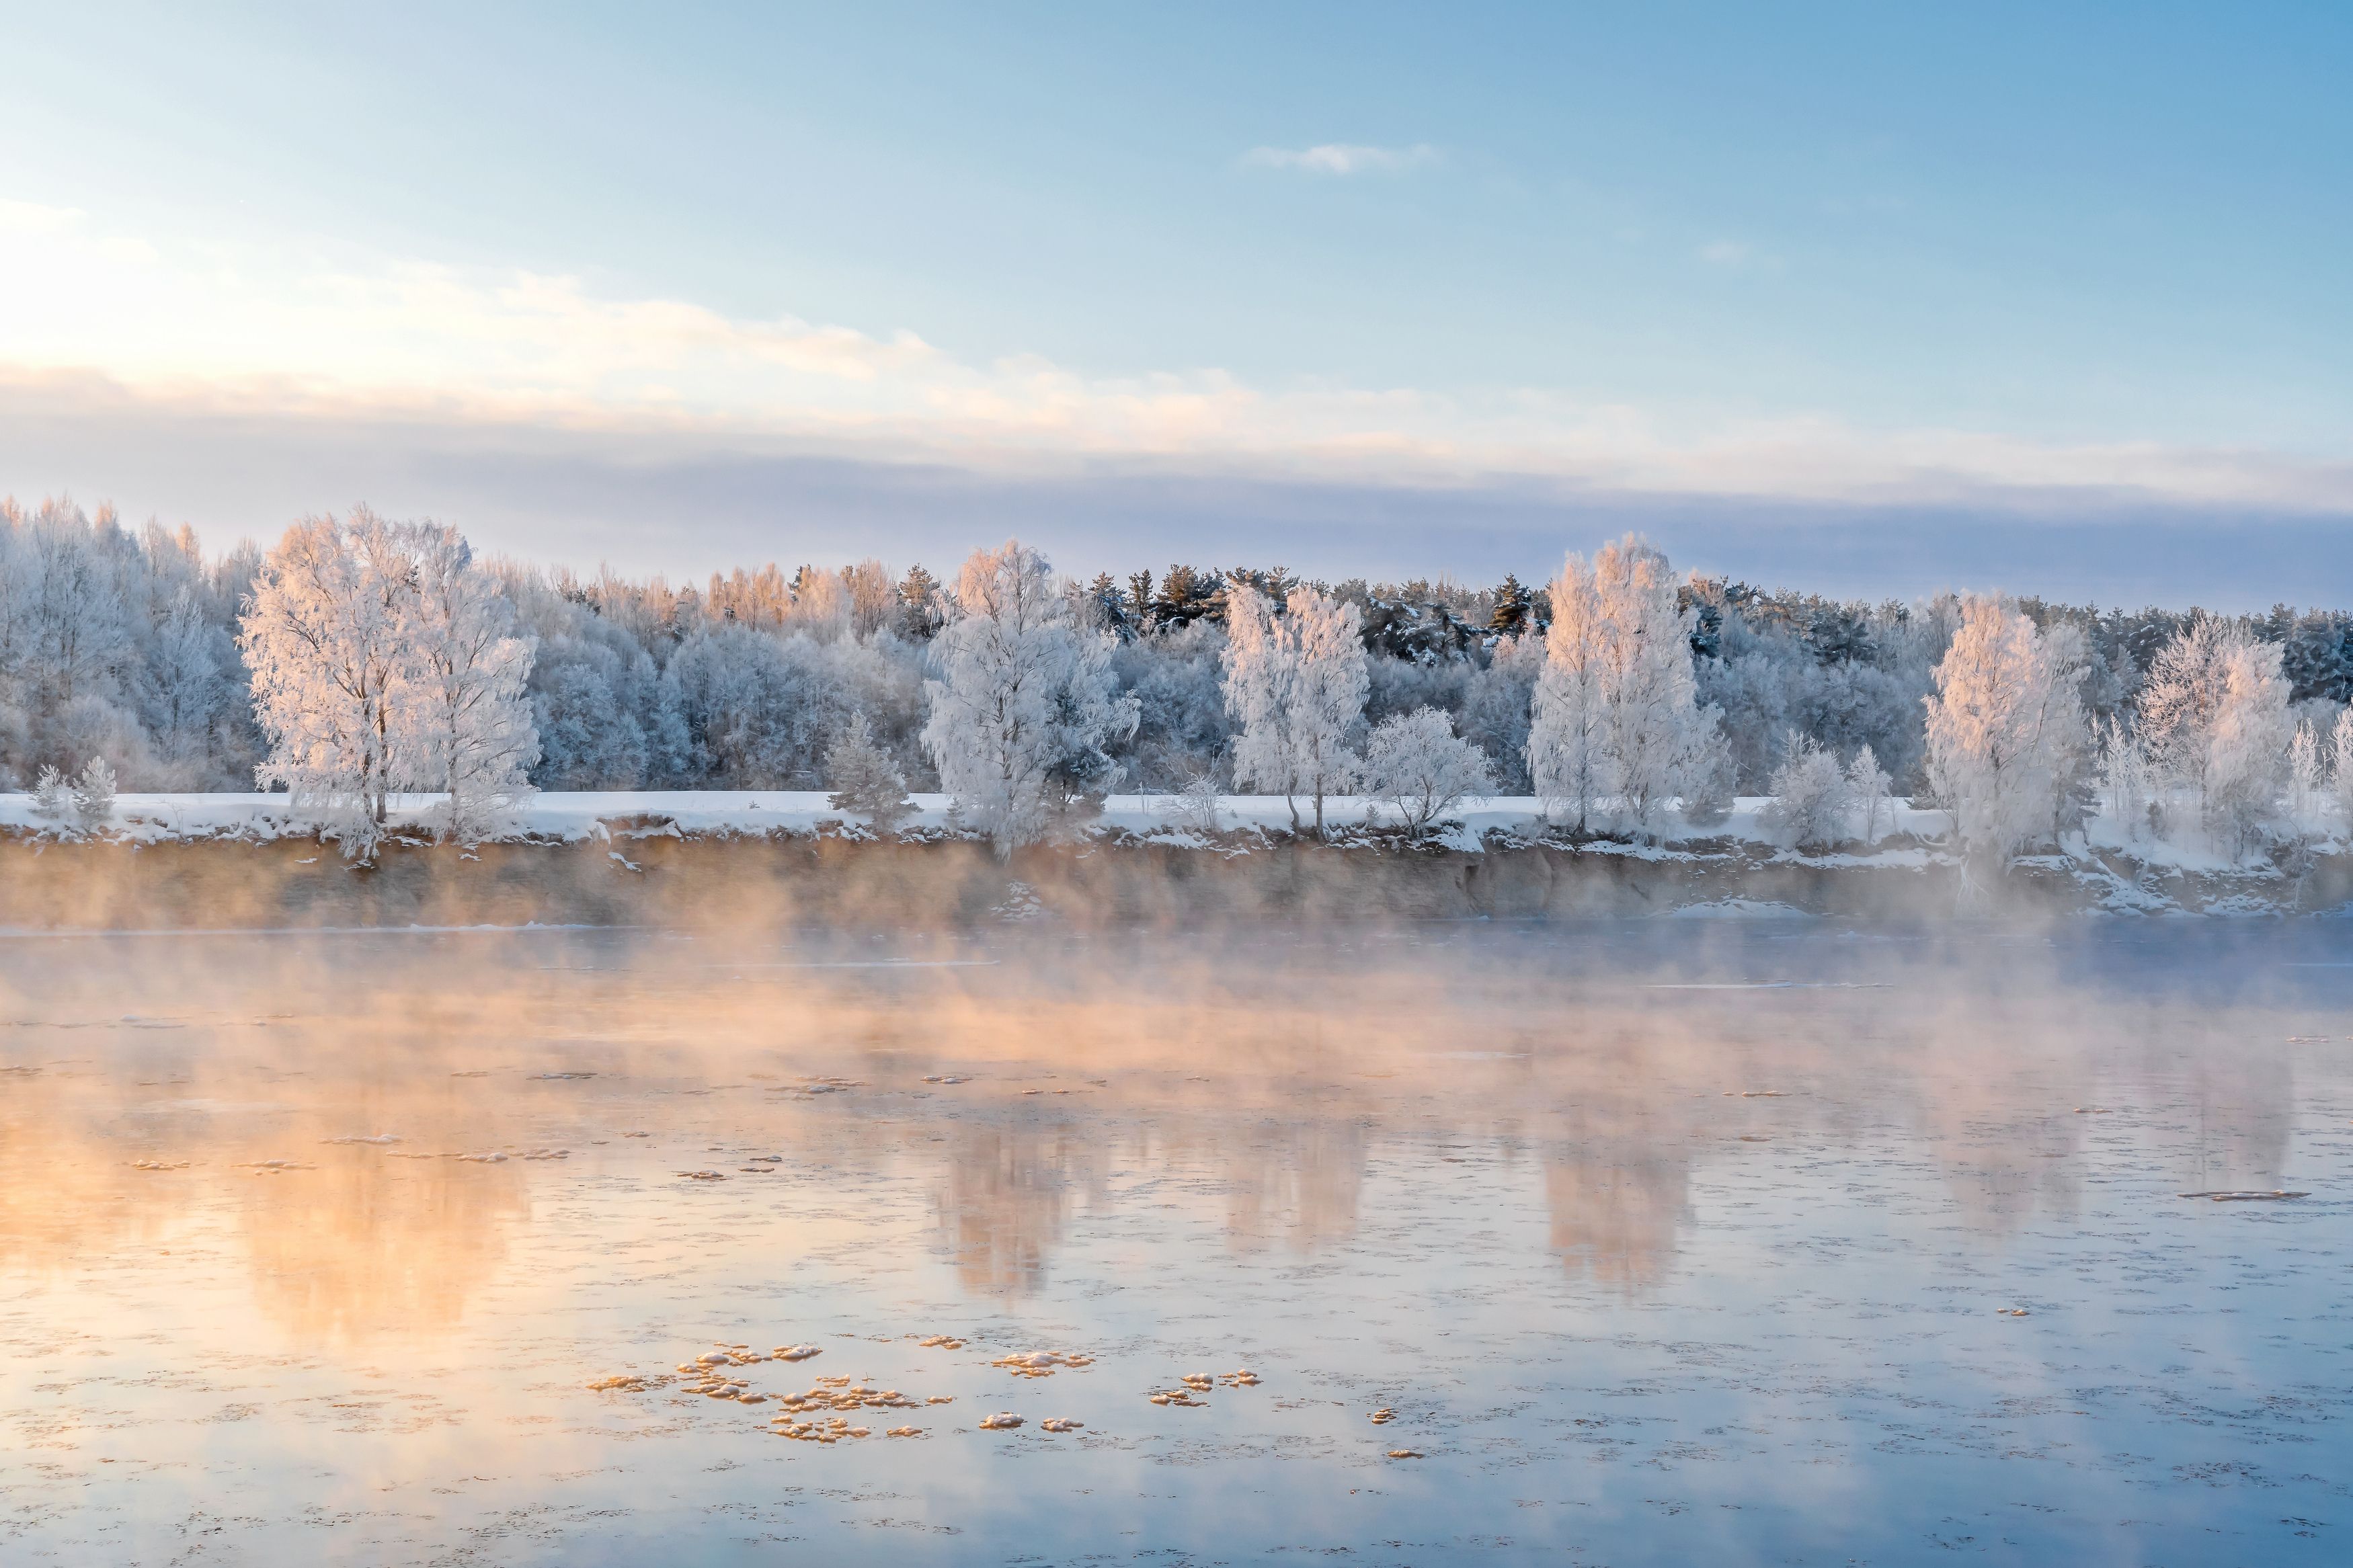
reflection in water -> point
(1440, 1148)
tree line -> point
(358, 658)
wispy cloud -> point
(1344, 158)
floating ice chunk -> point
(797, 1352)
(1003, 1421)
(2246, 1197)
(379, 1138)
(1060, 1423)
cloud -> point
(1729, 253)
(114, 326)
(1344, 158)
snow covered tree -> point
(1568, 724)
(53, 797)
(465, 720)
(2180, 699)
(864, 778)
(1416, 763)
(1295, 682)
(2006, 729)
(1810, 794)
(1616, 713)
(325, 640)
(2305, 769)
(382, 659)
(1022, 698)
(93, 794)
(1866, 788)
(2247, 748)
(2340, 765)
(2128, 790)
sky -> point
(1870, 299)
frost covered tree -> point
(325, 642)
(1569, 759)
(93, 794)
(2181, 699)
(2304, 772)
(1416, 763)
(2247, 746)
(1024, 699)
(1616, 716)
(382, 659)
(465, 720)
(1810, 794)
(864, 778)
(1296, 683)
(2006, 729)
(2341, 766)
(2128, 790)
(1866, 788)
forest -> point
(356, 657)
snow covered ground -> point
(576, 817)
(154, 818)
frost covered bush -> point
(1809, 807)
(53, 799)
(1415, 762)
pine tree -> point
(864, 778)
(1511, 616)
(93, 794)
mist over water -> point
(1664, 1242)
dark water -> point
(1665, 1244)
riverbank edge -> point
(649, 871)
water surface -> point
(1665, 1242)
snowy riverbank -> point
(775, 857)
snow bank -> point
(576, 816)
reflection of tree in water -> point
(1294, 1182)
(1614, 1215)
(365, 1242)
(2242, 1115)
(1004, 1194)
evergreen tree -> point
(864, 778)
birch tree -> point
(1614, 715)
(323, 638)
(1295, 682)
(2247, 747)
(1020, 692)
(2005, 726)
(467, 723)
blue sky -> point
(2076, 267)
